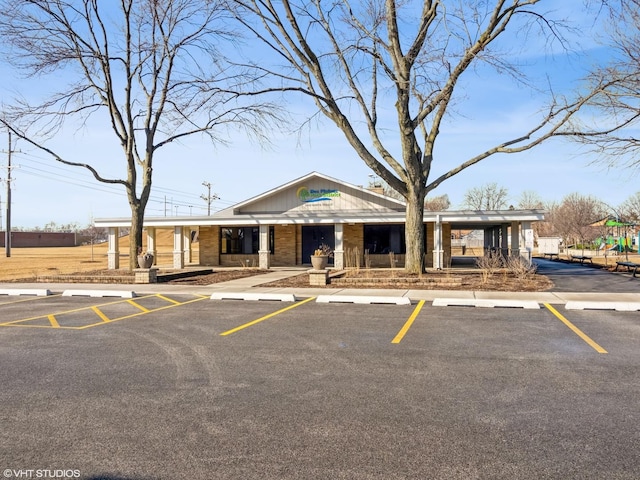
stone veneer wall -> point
(353, 236)
(286, 246)
(209, 239)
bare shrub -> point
(367, 263)
(520, 267)
(352, 260)
(392, 263)
(489, 264)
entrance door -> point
(315, 235)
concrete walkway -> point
(574, 283)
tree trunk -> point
(415, 231)
(135, 235)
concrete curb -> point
(486, 303)
(363, 299)
(618, 306)
(280, 297)
(38, 292)
(99, 293)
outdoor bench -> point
(550, 255)
(629, 265)
(581, 259)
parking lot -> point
(178, 386)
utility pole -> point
(209, 197)
(7, 233)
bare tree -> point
(530, 200)
(437, 203)
(389, 73)
(486, 197)
(153, 71)
(575, 217)
(618, 105)
(630, 208)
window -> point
(381, 239)
(243, 240)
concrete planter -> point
(145, 260)
(319, 262)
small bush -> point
(489, 264)
(520, 267)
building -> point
(283, 226)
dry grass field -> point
(29, 263)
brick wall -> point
(40, 239)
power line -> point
(180, 198)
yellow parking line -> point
(403, 331)
(241, 327)
(29, 299)
(102, 316)
(96, 309)
(173, 305)
(137, 305)
(168, 299)
(575, 329)
(52, 320)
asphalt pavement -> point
(573, 277)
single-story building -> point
(283, 227)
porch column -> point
(264, 250)
(496, 239)
(488, 240)
(113, 252)
(151, 244)
(515, 239)
(526, 240)
(338, 250)
(186, 239)
(178, 255)
(504, 239)
(437, 244)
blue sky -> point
(494, 111)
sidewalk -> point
(252, 284)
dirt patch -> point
(499, 282)
(217, 277)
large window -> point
(381, 239)
(243, 240)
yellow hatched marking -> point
(102, 316)
(403, 331)
(137, 305)
(575, 329)
(52, 320)
(242, 327)
(97, 311)
(168, 299)
(173, 305)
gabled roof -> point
(372, 197)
